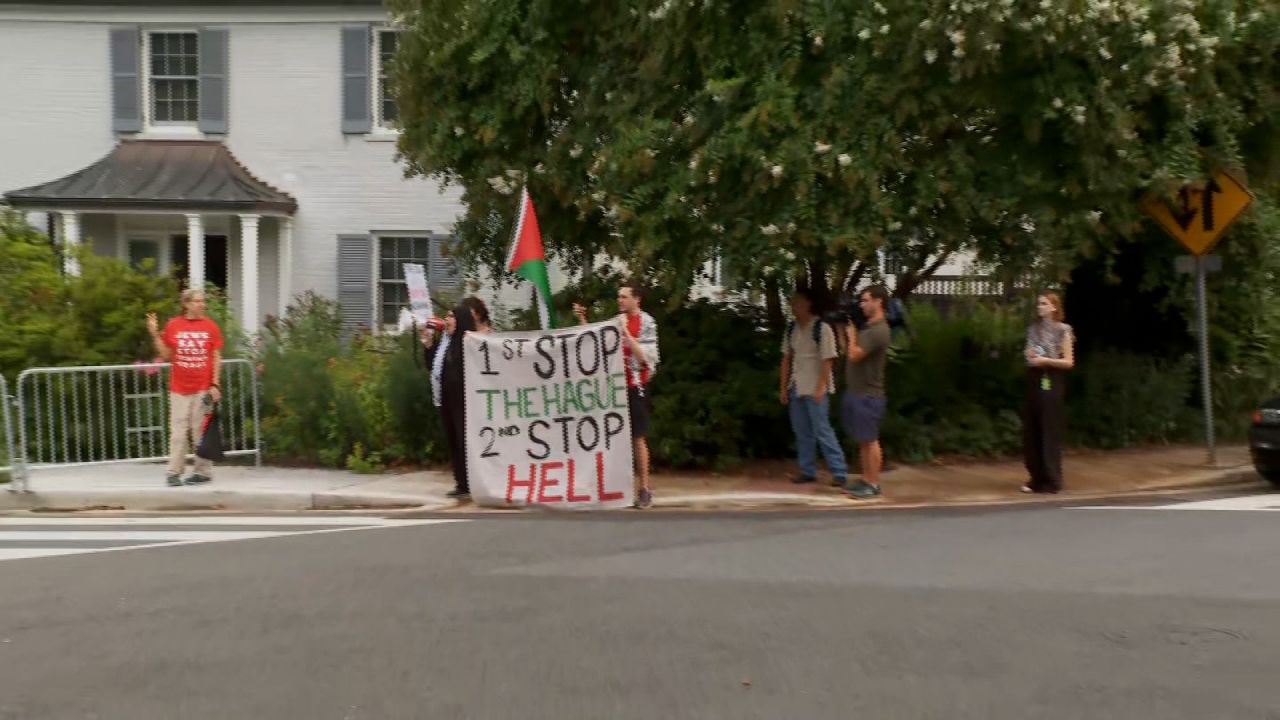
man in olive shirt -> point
(864, 399)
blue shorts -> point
(862, 415)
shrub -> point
(361, 405)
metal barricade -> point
(103, 414)
(7, 449)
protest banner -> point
(415, 277)
(546, 418)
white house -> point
(243, 143)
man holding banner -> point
(641, 357)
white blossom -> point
(791, 227)
(1057, 103)
(864, 34)
(956, 36)
(693, 164)
(1151, 79)
(1148, 39)
(821, 148)
(776, 171)
(575, 151)
(880, 8)
(926, 23)
(1095, 216)
(712, 177)
(598, 196)
(884, 29)
(930, 56)
(515, 174)
(895, 226)
(769, 229)
(1104, 53)
(844, 160)
(1078, 114)
(817, 41)
(717, 228)
(688, 120)
(651, 152)
(540, 168)
(958, 52)
(458, 131)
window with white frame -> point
(396, 250)
(386, 111)
(173, 77)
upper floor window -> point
(386, 112)
(173, 77)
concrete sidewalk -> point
(140, 487)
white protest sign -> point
(546, 418)
(415, 276)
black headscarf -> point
(451, 375)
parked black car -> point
(1264, 440)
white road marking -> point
(1249, 503)
(151, 532)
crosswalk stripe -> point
(1248, 503)
(274, 521)
(49, 537)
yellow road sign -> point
(1201, 212)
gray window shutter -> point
(355, 282)
(214, 47)
(126, 87)
(443, 274)
(356, 97)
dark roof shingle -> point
(159, 174)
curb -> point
(186, 500)
(214, 500)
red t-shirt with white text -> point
(193, 343)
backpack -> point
(817, 331)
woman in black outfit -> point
(1050, 354)
(470, 315)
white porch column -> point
(195, 252)
(252, 316)
(285, 261)
(70, 243)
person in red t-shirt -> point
(192, 343)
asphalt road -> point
(1016, 613)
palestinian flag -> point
(528, 260)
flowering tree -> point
(801, 137)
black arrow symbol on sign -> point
(1206, 204)
(1187, 213)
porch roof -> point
(177, 175)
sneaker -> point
(802, 479)
(1027, 489)
(458, 494)
(173, 480)
(644, 499)
(864, 491)
(196, 479)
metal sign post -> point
(1202, 269)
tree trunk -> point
(773, 306)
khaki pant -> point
(186, 416)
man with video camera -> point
(864, 400)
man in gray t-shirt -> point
(808, 359)
(864, 400)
